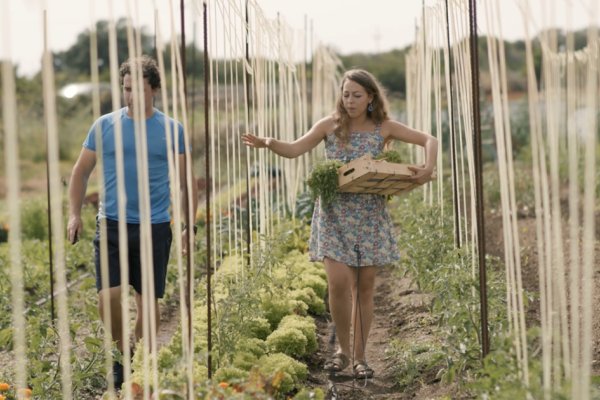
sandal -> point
(337, 363)
(362, 370)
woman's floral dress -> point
(355, 228)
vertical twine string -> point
(150, 366)
(449, 80)
(13, 183)
(592, 89)
(108, 340)
(57, 225)
(123, 246)
(514, 287)
(540, 192)
(574, 203)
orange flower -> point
(4, 386)
(223, 385)
(2, 397)
(136, 389)
(25, 392)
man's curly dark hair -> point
(148, 66)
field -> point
(268, 330)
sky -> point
(347, 25)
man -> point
(158, 179)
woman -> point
(353, 235)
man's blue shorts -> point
(161, 247)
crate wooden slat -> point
(365, 175)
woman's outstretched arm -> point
(296, 148)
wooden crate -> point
(365, 175)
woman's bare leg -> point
(339, 281)
(362, 308)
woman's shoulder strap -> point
(378, 127)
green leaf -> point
(6, 336)
(323, 181)
(93, 343)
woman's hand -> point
(422, 174)
(254, 141)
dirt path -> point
(169, 322)
(401, 313)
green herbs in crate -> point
(323, 181)
(391, 156)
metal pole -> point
(248, 193)
(485, 344)
(189, 220)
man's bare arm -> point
(77, 188)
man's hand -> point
(74, 228)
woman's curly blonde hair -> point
(373, 88)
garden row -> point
(263, 329)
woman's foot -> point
(337, 363)
(362, 370)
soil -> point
(401, 312)
(169, 322)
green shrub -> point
(316, 304)
(315, 282)
(254, 346)
(413, 361)
(287, 340)
(277, 306)
(34, 220)
(230, 374)
(310, 394)
(258, 327)
(293, 372)
(500, 379)
(446, 273)
(308, 328)
(244, 360)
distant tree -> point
(194, 60)
(76, 59)
(388, 67)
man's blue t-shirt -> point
(158, 169)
